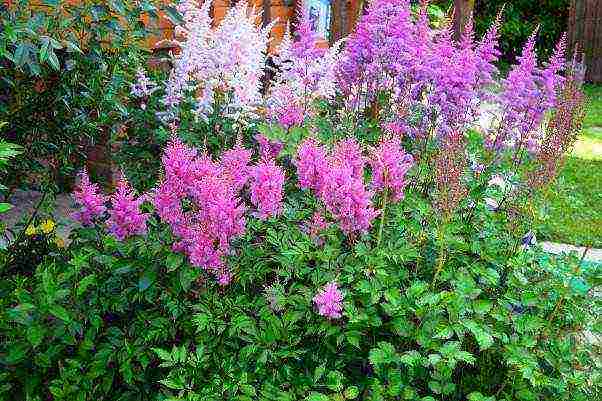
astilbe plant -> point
(529, 92)
(125, 218)
(267, 183)
(305, 72)
(421, 70)
(221, 66)
(337, 179)
(89, 200)
(560, 134)
(329, 301)
(450, 168)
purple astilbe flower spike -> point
(125, 218)
(390, 164)
(89, 199)
(488, 53)
(329, 301)
(267, 188)
(520, 101)
(550, 76)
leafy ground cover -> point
(576, 206)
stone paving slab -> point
(592, 255)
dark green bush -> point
(65, 70)
(520, 19)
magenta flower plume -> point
(329, 301)
(89, 199)
(178, 162)
(125, 218)
(346, 198)
(235, 165)
(390, 164)
(311, 165)
(348, 153)
(267, 189)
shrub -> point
(65, 67)
(382, 250)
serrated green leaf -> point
(60, 312)
(85, 283)
(316, 397)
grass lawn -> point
(576, 204)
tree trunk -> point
(585, 35)
(462, 12)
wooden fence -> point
(585, 35)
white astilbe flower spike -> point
(305, 72)
(226, 63)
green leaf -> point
(174, 261)
(162, 354)
(60, 312)
(5, 207)
(316, 397)
(85, 283)
(21, 55)
(484, 339)
(144, 282)
(175, 383)
(353, 337)
(334, 380)
(35, 334)
(174, 16)
(482, 306)
(351, 393)
(384, 354)
(53, 60)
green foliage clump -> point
(438, 309)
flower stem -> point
(382, 217)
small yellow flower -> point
(31, 230)
(47, 226)
(59, 242)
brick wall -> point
(282, 10)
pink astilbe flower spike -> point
(346, 198)
(390, 164)
(347, 152)
(89, 199)
(311, 165)
(235, 165)
(125, 218)
(267, 189)
(329, 301)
